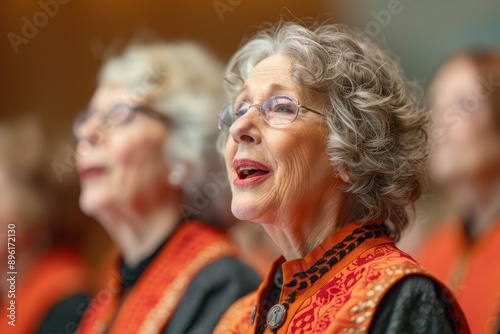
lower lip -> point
(250, 180)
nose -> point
(246, 129)
(90, 132)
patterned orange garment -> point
(471, 269)
(150, 304)
(56, 275)
(334, 289)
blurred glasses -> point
(119, 114)
(276, 110)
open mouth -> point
(250, 172)
(89, 173)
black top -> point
(65, 316)
(207, 297)
(210, 294)
(413, 305)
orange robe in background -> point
(336, 288)
(471, 270)
(56, 275)
(151, 302)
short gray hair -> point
(183, 81)
(377, 123)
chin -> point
(244, 210)
(91, 202)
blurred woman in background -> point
(51, 284)
(150, 175)
(465, 100)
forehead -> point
(108, 94)
(272, 74)
(455, 79)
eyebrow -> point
(271, 89)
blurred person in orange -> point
(49, 276)
(326, 147)
(463, 252)
(151, 176)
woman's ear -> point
(344, 175)
(178, 174)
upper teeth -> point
(246, 170)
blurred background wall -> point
(51, 50)
(424, 32)
(54, 72)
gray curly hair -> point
(183, 81)
(376, 119)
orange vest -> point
(56, 275)
(151, 302)
(334, 289)
(471, 270)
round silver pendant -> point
(276, 316)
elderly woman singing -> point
(148, 176)
(327, 148)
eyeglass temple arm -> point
(153, 113)
(311, 110)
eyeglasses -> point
(119, 114)
(276, 110)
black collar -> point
(130, 275)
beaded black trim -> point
(305, 279)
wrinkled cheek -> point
(444, 163)
(230, 152)
(126, 169)
(230, 173)
(295, 170)
(467, 131)
(125, 153)
(140, 164)
(288, 186)
(138, 158)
